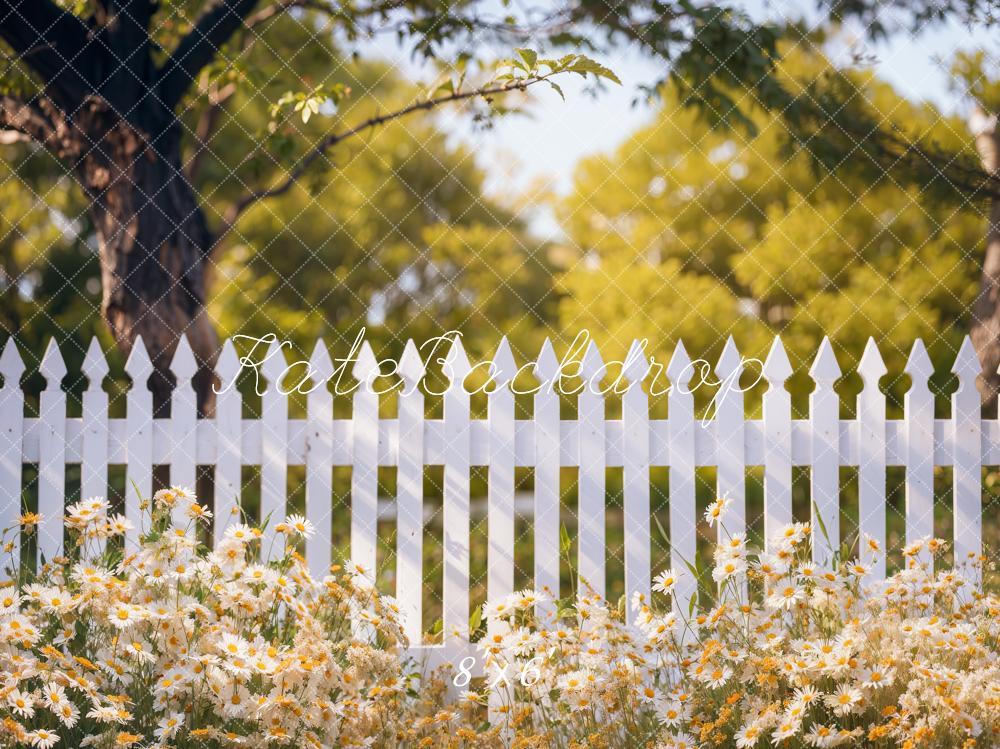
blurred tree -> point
(686, 232)
(847, 132)
(132, 96)
(400, 233)
(50, 281)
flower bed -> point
(174, 644)
(819, 658)
(178, 645)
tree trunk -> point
(985, 332)
(153, 239)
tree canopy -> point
(133, 97)
(688, 232)
(185, 166)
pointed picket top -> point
(777, 368)
(918, 363)
(366, 367)
(320, 363)
(11, 364)
(679, 369)
(228, 366)
(274, 365)
(138, 365)
(503, 368)
(52, 368)
(592, 365)
(825, 368)
(546, 367)
(730, 362)
(458, 366)
(871, 367)
(183, 364)
(95, 365)
(636, 364)
(411, 367)
(967, 364)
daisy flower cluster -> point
(788, 653)
(167, 643)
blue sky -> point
(537, 153)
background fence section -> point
(546, 443)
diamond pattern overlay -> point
(398, 229)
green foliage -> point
(972, 77)
(393, 232)
(880, 18)
(306, 104)
(688, 232)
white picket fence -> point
(591, 442)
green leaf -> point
(529, 56)
(475, 619)
(662, 531)
(557, 89)
(583, 65)
(444, 83)
(819, 519)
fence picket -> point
(139, 436)
(967, 473)
(11, 438)
(456, 497)
(918, 410)
(547, 464)
(274, 456)
(500, 497)
(683, 509)
(184, 425)
(228, 440)
(94, 452)
(410, 495)
(871, 460)
(319, 459)
(824, 446)
(778, 436)
(593, 459)
(94, 456)
(729, 435)
(51, 454)
(635, 476)
(364, 466)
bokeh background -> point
(622, 210)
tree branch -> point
(27, 120)
(211, 31)
(273, 11)
(217, 98)
(55, 44)
(207, 122)
(42, 122)
(126, 26)
(326, 143)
